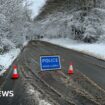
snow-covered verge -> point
(96, 49)
(7, 58)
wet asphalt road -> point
(29, 71)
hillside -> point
(74, 19)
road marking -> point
(92, 82)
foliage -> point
(77, 19)
(14, 23)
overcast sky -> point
(36, 6)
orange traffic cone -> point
(15, 75)
(71, 71)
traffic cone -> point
(70, 71)
(15, 75)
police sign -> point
(50, 63)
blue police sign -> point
(50, 63)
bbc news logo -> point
(6, 93)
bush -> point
(1, 51)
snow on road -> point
(36, 96)
(96, 49)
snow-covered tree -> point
(77, 19)
(14, 22)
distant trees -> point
(77, 19)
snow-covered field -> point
(97, 49)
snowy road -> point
(86, 86)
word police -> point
(6, 93)
(50, 60)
